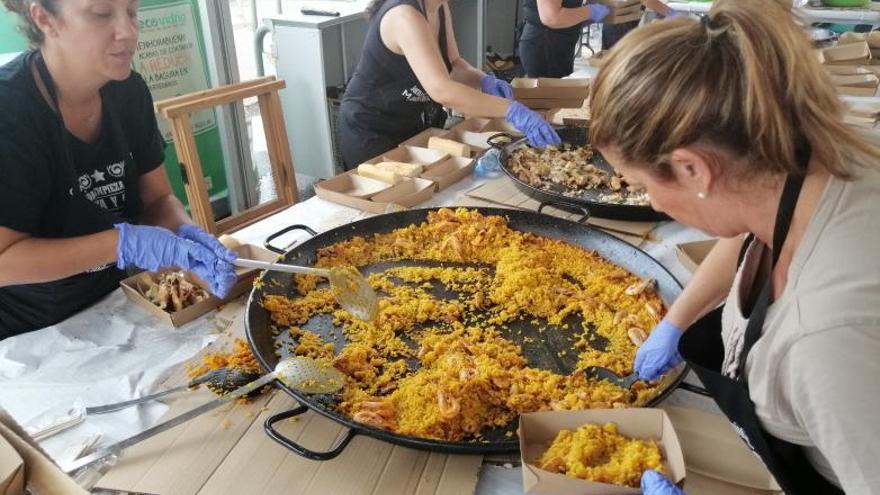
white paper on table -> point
(110, 352)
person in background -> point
(410, 68)
(551, 33)
(84, 193)
(733, 127)
(612, 33)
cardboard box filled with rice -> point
(597, 451)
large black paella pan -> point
(591, 202)
(542, 351)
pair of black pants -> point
(612, 33)
(548, 52)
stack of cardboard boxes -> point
(852, 66)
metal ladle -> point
(351, 289)
(219, 381)
(300, 373)
(606, 374)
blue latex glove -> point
(598, 12)
(154, 248)
(491, 85)
(197, 235)
(654, 483)
(659, 353)
(538, 132)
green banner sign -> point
(171, 57)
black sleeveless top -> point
(530, 14)
(384, 102)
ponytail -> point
(744, 79)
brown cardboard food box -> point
(691, 254)
(24, 464)
(712, 448)
(450, 171)
(622, 11)
(412, 154)
(11, 469)
(537, 431)
(546, 93)
(856, 91)
(848, 54)
(132, 286)
(406, 194)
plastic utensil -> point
(352, 290)
(303, 374)
(220, 381)
(601, 373)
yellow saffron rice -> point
(599, 453)
(471, 372)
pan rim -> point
(443, 446)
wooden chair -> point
(178, 111)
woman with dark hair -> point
(84, 193)
(732, 126)
(409, 70)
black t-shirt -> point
(531, 15)
(45, 195)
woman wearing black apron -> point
(755, 153)
(409, 70)
(83, 193)
(551, 33)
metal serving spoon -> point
(606, 374)
(352, 290)
(300, 373)
(220, 381)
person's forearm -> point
(657, 6)
(468, 100)
(465, 73)
(709, 286)
(564, 17)
(34, 260)
(167, 212)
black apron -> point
(544, 51)
(29, 306)
(84, 215)
(384, 103)
(703, 349)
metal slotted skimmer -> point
(352, 291)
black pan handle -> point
(500, 140)
(694, 389)
(283, 231)
(569, 207)
(299, 449)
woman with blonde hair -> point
(733, 128)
